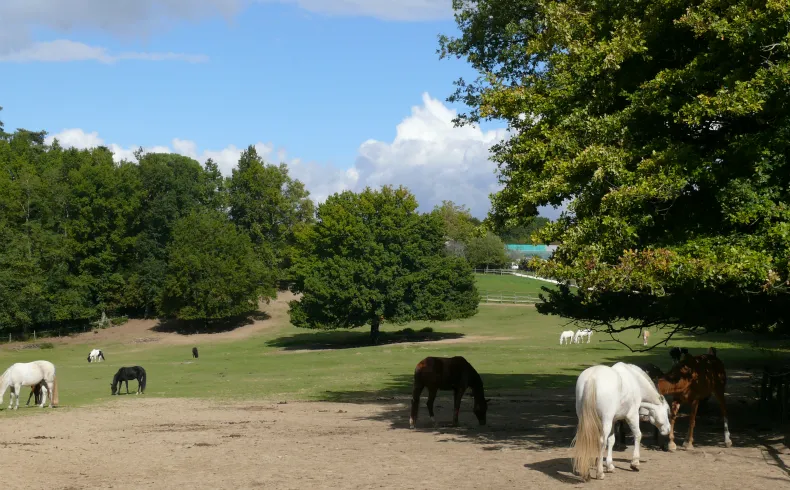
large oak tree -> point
(665, 124)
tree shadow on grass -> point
(350, 340)
(191, 327)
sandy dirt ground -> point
(134, 442)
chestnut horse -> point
(691, 380)
(447, 373)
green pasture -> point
(513, 347)
(509, 284)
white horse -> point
(96, 356)
(566, 337)
(581, 334)
(645, 336)
(604, 395)
(29, 374)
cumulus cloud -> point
(430, 156)
(64, 50)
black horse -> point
(124, 375)
(194, 352)
(35, 391)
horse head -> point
(657, 415)
(480, 408)
(112, 386)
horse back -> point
(442, 373)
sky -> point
(348, 93)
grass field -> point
(508, 284)
(513, 347)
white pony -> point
(580, 334)
(96, 356)
(29, 374)
(566, 337)
(604, 395)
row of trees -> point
(666, 126)
(82, 234)
(166, 236)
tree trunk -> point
(374, 330)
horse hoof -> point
(609, 468)
(672, 447)
(727, 443)
(688, 445)
(634, 467)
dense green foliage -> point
(82, 234)
(486, 252)
(526, 233)
(666, 126)
(212, 270)
(372, 256)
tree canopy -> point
(213, 271)
(83, 234)
(665, 125)
(371, 257)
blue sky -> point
(323, 88)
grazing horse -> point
(95, 356)
(693, 380)
(603, 395)
(447, 373)
(36, 392)
(654, 372)
(580, 334)
(566, 337)
(194, 352)
(124, 375)
(29, 374)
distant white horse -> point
(29, 374)
(604, 395)
(645, 336)
(580, 334)
(95, 356)
(566, 337)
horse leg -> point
(672, 419)
(415, 404)
(606, 435)
(17, 389)
(457, 397)
(50, 392)
(609, 446)
(689, 442)
(431, 398)
(127, 386)
(633, 423)
(720, 397)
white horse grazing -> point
(577, 336)
(566, 337)
(581, 334)
(604, 395)
(96, 356)
(29, 374)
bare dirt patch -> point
(142, 331)
(180, 443)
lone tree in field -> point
(213, 271)
(371, 257)
(666, 126)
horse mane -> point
(642, 374)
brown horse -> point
(35, 391)
(691, 380)
(447, 373)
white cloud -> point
(430, 156)
(64, 50)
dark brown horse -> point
(691, 380)
(447, 373)
(654, 372)
(35, 391)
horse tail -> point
(54, 393)
(586, 445)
